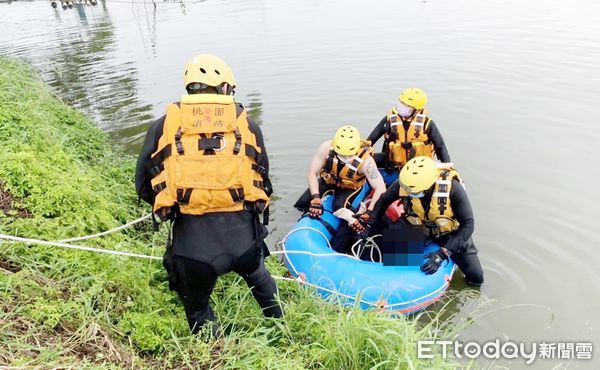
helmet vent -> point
(186, 71)
(203, 70)
(217, 72)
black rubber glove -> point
(434, 261)
(316, 208)
(362, 222)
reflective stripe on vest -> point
(213, 161)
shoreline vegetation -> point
(60, 177)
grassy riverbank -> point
(60, 177)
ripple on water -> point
(497, 74)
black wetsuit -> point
(432, 132)
(459, 242)
(212, 244)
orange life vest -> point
(439, 219)
(207, 159)
(404, 145)
(346, 175)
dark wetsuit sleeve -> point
(387, 198)
(255, 129)
(378, 131)
(142, 171)
(438, 142)
(463, 213)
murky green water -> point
(514, 86)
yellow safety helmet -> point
(346, 141)
(418, 174)
(413, 97)
(209, 70)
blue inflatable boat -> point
(352, 281)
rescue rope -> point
(364, 244)
(303, 282)
(122, 227)
(334, 254)
(78, 247)
(63, 244)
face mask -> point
(404, 110)
(417, 195)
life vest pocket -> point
(202, 200)
(217, 172)
(349, 184)
(397, 152)
(413, 220)
(421, 149)
(445, 225)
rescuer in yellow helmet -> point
(434, 197)
(205, 167)
(409, 132)
(342, 165)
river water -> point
(514, 87)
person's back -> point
(204, 166)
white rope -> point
(315, 254)
(335, 292)
(78, 247)
(62, 244)
(108, 231)
(306, 228)
(298, 280)
(286, 279)
(369, 242)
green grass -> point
(63, 178)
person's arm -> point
(463, 213)
(375, 179)
(378, 131)
(316, 165)
(143, 186)
(255, 129)
(263, 159)
(438, 142)
(386, 199)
